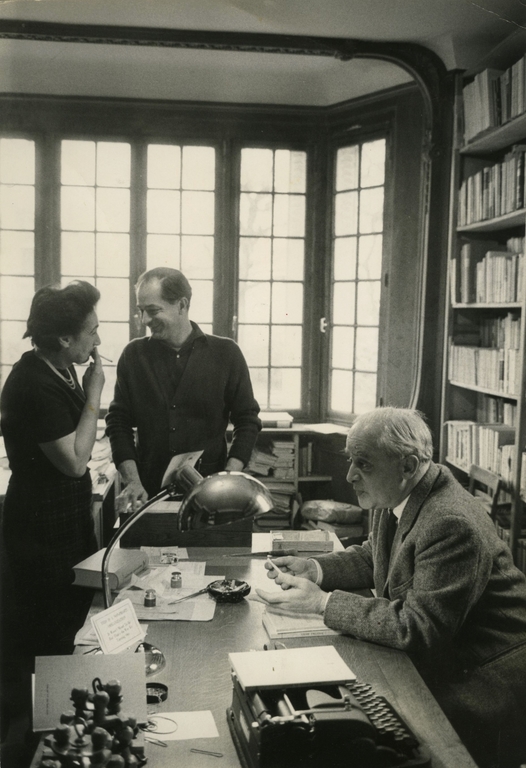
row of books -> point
(499, 278)
(488, 272)
(494, 190)
(489, 446)
(494, 97)
(501, 332)
(497, 370)
(495, 410)
(305, 459)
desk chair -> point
(486, 486)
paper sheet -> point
(190, 725)
(199, 608)
(192, 574)
(177, 462)
(165, 555)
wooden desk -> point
(197, 673)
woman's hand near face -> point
(93, 379)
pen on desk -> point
(158, 742)
(187, 597)
(273, 553)
(206, 752)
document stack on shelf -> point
(276, 419)
(284, 466)
(272, 461)
(281, 515)
(262, 461)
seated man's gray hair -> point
(398, 431)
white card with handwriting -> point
(117, 627)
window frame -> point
(47, 120)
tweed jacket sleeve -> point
(439, 568)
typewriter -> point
(314, 725)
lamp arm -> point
(116, 537)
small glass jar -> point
(176, 580)
(150, 598)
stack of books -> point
(283, 450)
(262, 462)
(280, 625)
(276, 419)
(301, 541)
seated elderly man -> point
(447, 591)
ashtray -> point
(228, 590)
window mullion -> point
(47, 211)
(137, 225)
(226, 239)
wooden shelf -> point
(475, 388)
(508, 221)
(495, 139)
(315, 479)
(480, 305)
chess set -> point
(95, 733)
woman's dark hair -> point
(57, 312)
(174, 285)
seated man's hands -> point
(298, 593)
(297, 566)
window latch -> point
(323, 324)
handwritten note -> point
(117, 627)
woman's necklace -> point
(70, 381)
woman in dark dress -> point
(49, 424)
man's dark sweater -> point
(179, 401)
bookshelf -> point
(483, 410)
(289, 455)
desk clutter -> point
(303, 542)
(95, 732)
(294, 708)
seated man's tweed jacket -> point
(451, 597)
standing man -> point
(447, 591)
(179, 388)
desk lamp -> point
(216, 499)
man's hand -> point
(297, 566)
(133, 495)
(234, 465)
(298, 595)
